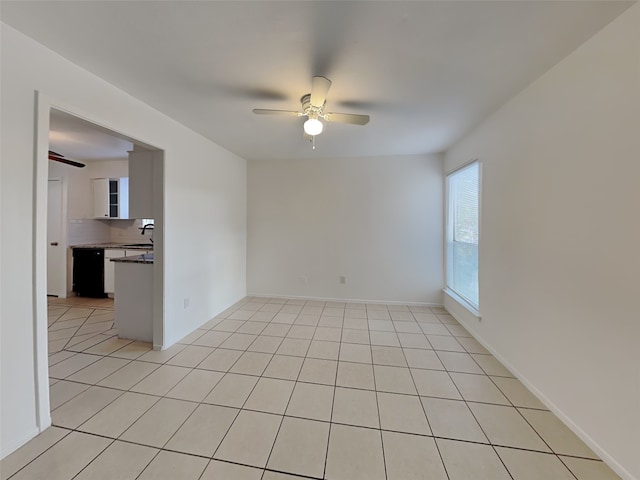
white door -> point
(56, 257)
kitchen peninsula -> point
(134, 297)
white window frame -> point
(448, 232)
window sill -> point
(462, 302)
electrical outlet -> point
(343, 279)
(303, 279)
(186, 303)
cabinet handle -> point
(54, 244)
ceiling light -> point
(313, 127)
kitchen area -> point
(105, 224)
(102, 270)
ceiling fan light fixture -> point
(313, 108)
(313, 127)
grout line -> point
(82, 325)
(424, 411)
(493, 447)
(375, 393)
(438, 437)
(333, 401)
(329, 322)
(275, 439)
(41, 453)
(93, 459)
(242, 407)
(150, 462)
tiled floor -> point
(279, 389)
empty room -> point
(341, 240)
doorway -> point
(52, 226)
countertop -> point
(118, 246)
(144, 258)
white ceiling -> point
(77, 139)
(425, 71)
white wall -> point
(204, 214)
(559, 260)
(376, 221)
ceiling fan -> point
(57, 157)
(313, 108)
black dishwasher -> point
(88, 272)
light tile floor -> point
(283, 389)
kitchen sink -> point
(144, 245)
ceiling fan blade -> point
(60, 159)
(319, 90)
(288, 113)
(351, 118)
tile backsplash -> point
(128, 231)
(87, 231)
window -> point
(463, 204)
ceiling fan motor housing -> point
(305, 101)
(306, 104)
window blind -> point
(462, 232)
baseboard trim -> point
(346, 300)
(468, 320)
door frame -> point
(43, 106)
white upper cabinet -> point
(110, 197)
(100, 197)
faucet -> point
(148, 226)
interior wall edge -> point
(40, 145)
(15, 444)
